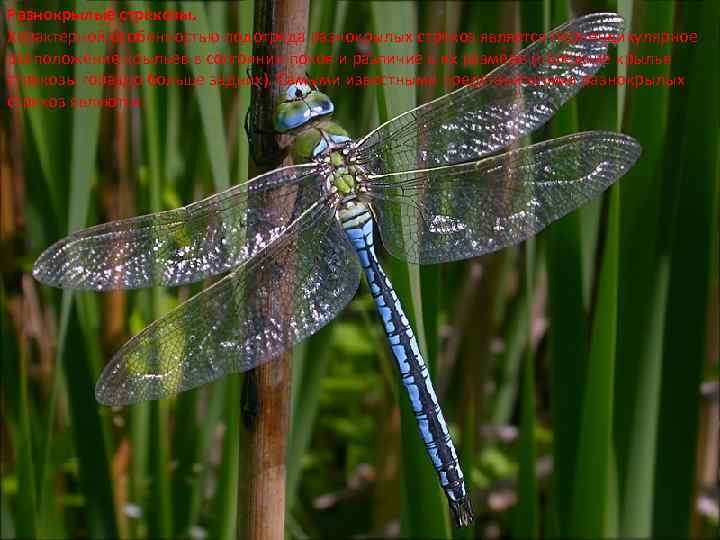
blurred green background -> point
(577, 371)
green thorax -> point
(343, 175)
(311, 136)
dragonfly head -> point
(300, 104)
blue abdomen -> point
(358, 223)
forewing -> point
(480, 119)
(463, 211)
(185, 245)
(279, 297)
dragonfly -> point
(445, 181)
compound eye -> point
(290, 93)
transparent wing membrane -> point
(185, 245)
(437, 182)
(512, 101)
(275, 299)
(461, 211)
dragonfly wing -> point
(461, 211)
(185, 245)
(483, 118)
(275, 299)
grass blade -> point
(568, 330)
(7, 525)
(425, 510)
(226, 497)
(152, 418)
(94, 469)
(642, 282)
(591, 493)
(526, 516)
(209, 99)
(307, 377)
(212, 417)
(16, 415)
(686, 325)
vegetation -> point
(570, 368)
